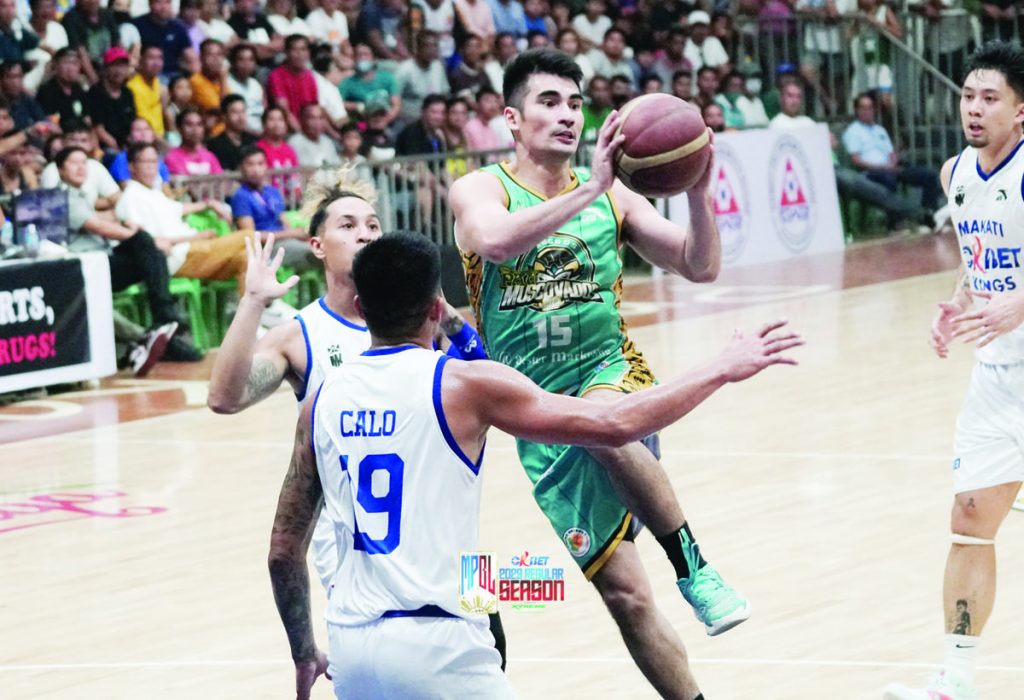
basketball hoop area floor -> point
(134, 523)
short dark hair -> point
(705, 69)
(683, 73)
(536, 61)
(1000, 56)
(292, 39)
(210, 42)
(65, 53)
(456, 99)
(397, 278)
(65, 153)
(248, 152)
(179, 120)
(614, 30)
(7, 66)
(338, 191)
(239, 48)
(149, 47)
(272, 108)
(74, 126)
(229, 100)
(349, 128)
(866, 94)
(135, 149)
(431, 100)
(484, 91)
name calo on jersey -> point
(988, 214)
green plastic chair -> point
(191, 291)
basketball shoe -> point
(719, 606)
(947, 685)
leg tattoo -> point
(963, 618)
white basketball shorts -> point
(989, 443)
(416, 658)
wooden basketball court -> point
(134, 523)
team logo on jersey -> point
(959, 195)
(1000, 194)
(980, 259)
(791, 190)
(731, 202)
(555, 274)
(334, 353)
(477, 594)
(578, 541)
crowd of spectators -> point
(148, 91)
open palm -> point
(261, 273)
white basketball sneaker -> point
(947, 685)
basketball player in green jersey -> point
(540, 244)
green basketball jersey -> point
(553, 313)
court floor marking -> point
(576, 660)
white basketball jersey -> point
(330, 342)
(389, 464)
(988, 212)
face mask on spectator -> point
(364, 66)
(754, 86)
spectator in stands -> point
(189, 16)
(723, 29)
(192, 157)
(621, 90)
(597, 107)
(63, 94)
(161, 28)
(420, 76)
(665, 15)
(24, 108)
(282, 17)
(651, 85)
(292, 85)
(610, 60)
(179, 96)
(252, 27)
(875, 72)
(592, 24)
(671, 59)
(380, 25)
(370, 85)
(328, 77)
(438, 17)
(454, 130)
(98, 186)
(702, 49)
(468, 76)
(92, 31)
(16, 173)
(568, 41)
(707, 85)
(190, 253)
(241, 81)
(148, 92)
(476, 18)
(479, 134)
(279, 152)
(643, 61)
(821, 62)
(229, 144)
(872, 153)
(509, 17)
(772, 98)
(52, 38)
(258, 206)
(351, 147)
(714, 117)
(505, 50)
(741, 110)
(139, 132)
(378, 142)
(537, 40)
(109, 104)
(209, 85)
(538, 18)
(425, 135)
(313, 147)
(16, 39)
(136, 258)
(682, 85)
(213, 24)
(329, 25)
(900, 212)
(999, 19)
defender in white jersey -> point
(985, 185)
(394, 442)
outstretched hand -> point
(261, 274)
(602, 164)
(746, 355)
(306, 673)
(942, 328)
(702, 184)
(1003, 313)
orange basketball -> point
(667, 146)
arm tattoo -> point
(298, 505)
(262, 381)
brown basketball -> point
(666, 148)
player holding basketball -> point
(540, 243)
(987, 308)
(393, 445)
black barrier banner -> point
(44, 322)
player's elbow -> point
(285, 551)
(221, 404)
(702, 275)
(618, 429)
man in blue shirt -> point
(161, 28)
(871, 150)
(509, 17)
(258, 206)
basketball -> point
(667, 146)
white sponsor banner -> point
(774, 195)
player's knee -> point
(971, 519)
(627, 601)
